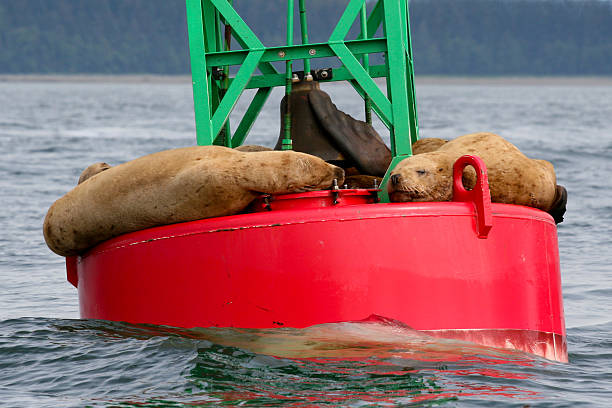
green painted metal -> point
(298, 51)
(197, 49)
(304, 30)
(286, 142)
(414, 120)
(365, 60)
(212, 24)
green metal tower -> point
(212, 24)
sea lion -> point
(427, 145)
(174, 186)
(355, 139)
(513, 177)
(93, 170)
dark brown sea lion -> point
(513, 177)
(355, 139)
(174, 186)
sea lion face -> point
(420, 178)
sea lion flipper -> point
(354, 138)
(559, 205)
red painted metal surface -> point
(479, 195)
(425, 264)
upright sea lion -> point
(174, 186)
(355, 139)
(93, 170)
(513, 177)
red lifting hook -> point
(479, 195)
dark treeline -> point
(460, 37)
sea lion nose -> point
(395, 179)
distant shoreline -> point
(419, 79)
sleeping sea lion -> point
(174, 186)
(513, 177)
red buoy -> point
(467, 269)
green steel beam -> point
(209, 14)
(375, 19)
(195, 27)
(397, 83)
(298, 51)
(239, 28)
(287, 143)
(235, 89)
(379, 100)
(414, 121)
(365, 61)
(304, 31)
(264, 67)
(346, 20)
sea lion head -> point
(424, 177)
(306, 172)
(92, 170)
(279, 172)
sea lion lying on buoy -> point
(174, 186)
(513, 177)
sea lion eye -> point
(440, 169)
(421, 172)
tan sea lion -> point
(174, 186)
(428, 144)
(513, 177)
(93, 170)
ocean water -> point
(49, 132)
